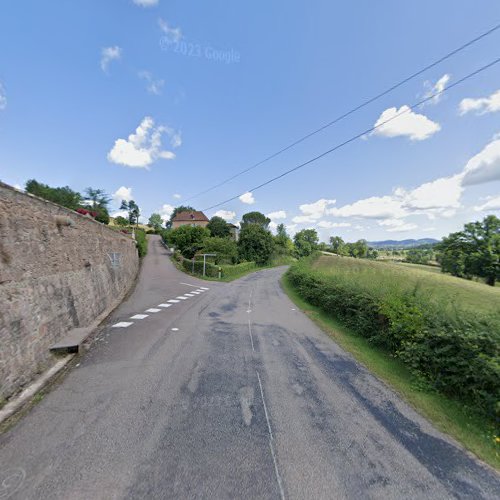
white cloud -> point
(492, 204)
(444, 192)
(120, 213)
(481, 105)
(437, 88)
(172, 34)
(273, 226)
(375, 207)
(3, 97)
(122, 193)
(313, 211)
(166, 211)
(109, 54)
(153, 86)
(146, 3)
(247, 198)
(177, 196)
(143, 147)
(226, 214)
(176, 140)
(405, 122)
(326, 224)
(485, 166)
(280, 214)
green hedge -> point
(141, 242)
(211, 270)
(457, 356)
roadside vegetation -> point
(255, 248)
(472, 429)
(444, 330)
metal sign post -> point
(205, 255)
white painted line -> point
(173, 301)
(139, 316)
(165, 305)
(181, 297)
(271, 438)
(153, 310)
(122, 324)
(175, 329)
(188, 295)
(187, 284)
(204, 288)
(200, 291)
(195, 292)
(249, 311)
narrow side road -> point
(212, 390)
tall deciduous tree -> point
(218, 227)
(257, 218)
(475, 251)
(306, 242)
(155, 221)
(337, 245)
(255, 244)
(133, 211)
(188, 239)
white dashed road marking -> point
(153, 310)
(175, 329)
(188, 295)
(188, 284)
(122, 324)
(174, 301)
(195, 292)
(204, 288)
(165, 305)
(181, 297)
(140, 316)
(200, 291)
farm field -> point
(447, 291)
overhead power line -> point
(361, 134)
(351, 111)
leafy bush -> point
(457, 354)
(187, 239)
(226, 250)
(255, 244)
(141, 242)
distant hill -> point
(402, 243)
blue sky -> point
(152, 99)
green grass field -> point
(449, 292)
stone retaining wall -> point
(58, 270)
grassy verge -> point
(473, 431)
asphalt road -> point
(229, 393)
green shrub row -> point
(141, 242)
(211, 270)
(458, 356)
